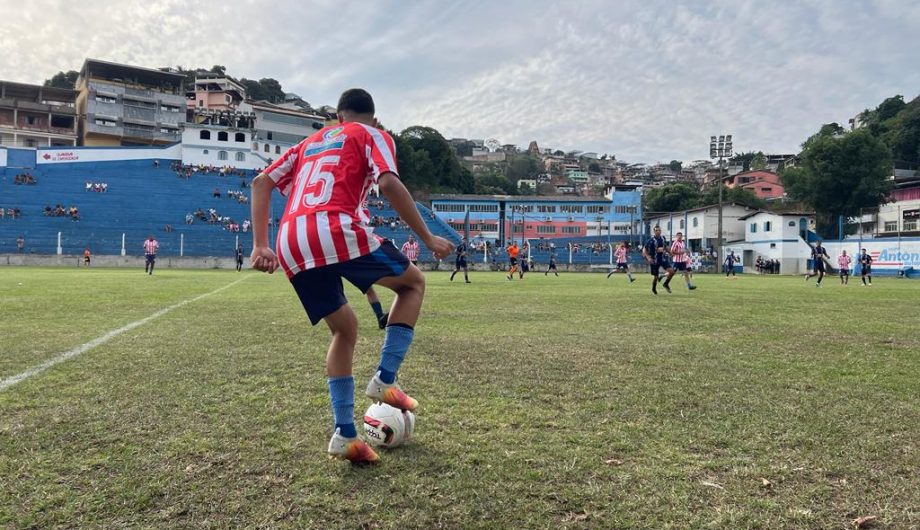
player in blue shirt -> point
(552, 265)
(656, 254)
(460, 262)
(818, 255)
(730, 261)
(865, 264)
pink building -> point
(764, 184)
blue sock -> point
(395, 346)
(378, 310)
(342, 392)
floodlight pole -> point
(720, 148)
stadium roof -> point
(519, 198)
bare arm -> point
(395, 192)
(263, 258)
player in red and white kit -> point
(681, 258)
(621, 254)
(324, 237)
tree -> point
(737, 195)
(671, 198)
(271, 90)
(218, 69)
(840, 174)
(253, 89)
(759, 162)
(676, 166)
(63, 79)
(594, 167)
(523, 166)
(436, 164)
(494, 184)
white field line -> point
(35, 370)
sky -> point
(646, 81)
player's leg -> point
(374, 301)
(153, 261)
(667, 281)
(466, 274)
(456, 270)
(629, 273)
(654, 271)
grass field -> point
(575, 402)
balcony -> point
(36, 107)
(108, 130)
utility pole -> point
(720, 148)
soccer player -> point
(655, 253)
(552, 265)
(865, 262)
(410, 249)
(151, 246)
(843, 263)
(86, 257)
(323, 239)
(681, 257)
(460, 262)
(818, 255)
(730, 261)
(525, 267)
(621, 254)
(239, 258)
(513, 252)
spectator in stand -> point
(246, 225)
(156, 164)
(216, 193)
(168, 228)
(189, 218)
(20, 243)
(47, 210)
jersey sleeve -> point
(282, 170)
(381, 153)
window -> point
(240, 156)
(766, 190)
(669, 226)
(267, 149)
(204, 135)
(682, 224)
(277, 149)
(222, 136)
(891, 226)
(571, 229)
(255, 146)
(451, 207)
(523, 208)
(520, 228)
(269, 135)
(106, 123)
(482, 208)
(571, 208)
(204, 152)
(753, 228)
(696, 222)
(767, 226)
(489, 227)
(239, 137)
(105, 99)
(221, 155)
(910, 225)
(168, 108)
(547, 229)
(792, 223)
(546, 208)
(598, 209)
(625, 209)
(227, 98)
(31, 120)
(200, 102)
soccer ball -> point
(387, 426)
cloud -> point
(646, 80)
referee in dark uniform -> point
(656, 254)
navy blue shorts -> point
(867, 269)
(460, 264)
(151, 258)
(819, 266)
(658, 264)
(321, 291)
(680, 266)
(622, 267)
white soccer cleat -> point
(355, 450)
(390, 394)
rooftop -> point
(519, 198)
(26, 91)
(139, 74)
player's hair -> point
(356, 100)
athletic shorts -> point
(552, 266)
(513, 261)
(622, 267)
(680, 266)
(844, 272)
(151, 258)
(321, 291)
(460, 264)
(660, 263)
(867, 269)
(819, 266)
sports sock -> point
(395, 345)
(452, 275)
(466, 276)
(342, 392)
(864, 280)
(378, 309)
(629, 275)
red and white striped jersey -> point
(151, 246)
(620, 254)
(678, 248)
(843, 261)
(410, 250)
(326, 178)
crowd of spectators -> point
(60, 211)
(766, 266)
(98, 187)
(185, 171)
(12, 213)
(393, 222)
(239, 196)
(24, 178)
(213, 217)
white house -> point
(217, 145)
(778, 236)
(701, 225)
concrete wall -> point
(2, 157)
(70, 155)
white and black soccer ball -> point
(386, 426)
